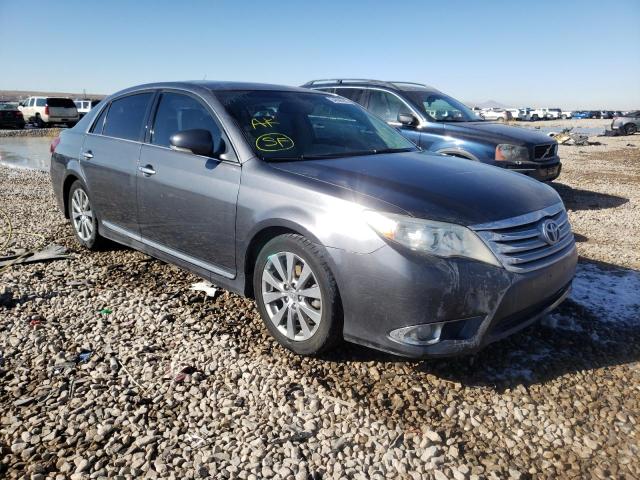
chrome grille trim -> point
(518, 244)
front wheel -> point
(83, 218)
(297, 295)
(630, 128)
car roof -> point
(215, 86)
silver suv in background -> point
(45, 111)
(627, 124)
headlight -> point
(512, 153)
(427, 236)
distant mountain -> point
(15, 95)
(487, 104)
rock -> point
(81, 464)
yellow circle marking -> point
(273, 142)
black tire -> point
(95, 240)
(630, 128)
(534, 118)
(329, 329)
(38, 122)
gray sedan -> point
(337, 225)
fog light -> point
(427, 334)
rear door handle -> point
(147, 170)
(88, 154)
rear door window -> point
(355, 94)
(41, 102)
(126, 116)
(177, 112)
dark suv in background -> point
(438, 123)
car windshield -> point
(286, 125)
(442, 108)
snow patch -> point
(613, 294)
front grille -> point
(544, 152)
(519, 243)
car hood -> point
(497, 133)
(431, 186)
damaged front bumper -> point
(471, 304)
(544, 172)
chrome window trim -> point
(175, 253)
(521, 219)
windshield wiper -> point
(340, 154)
(395, 150)
(319, 156)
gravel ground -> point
(111, 366)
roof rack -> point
(343, 81)
(347, 81)
(408, 83)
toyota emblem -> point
(550, 232)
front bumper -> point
(543, 171)
(62, 119)
(480, 303)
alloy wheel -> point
(291, 295)
(82, 215)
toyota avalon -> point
(337, 225)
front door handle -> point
(88, 154)
(147, 170)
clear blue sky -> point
(572, 54)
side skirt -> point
(216, 275)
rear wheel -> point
(83, 218)
(39, 123)
(534, 118)
(297, 295)
(630, 128)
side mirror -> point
(196, 141)
(407, 119)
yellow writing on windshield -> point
(264, 122)
(273, 142)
